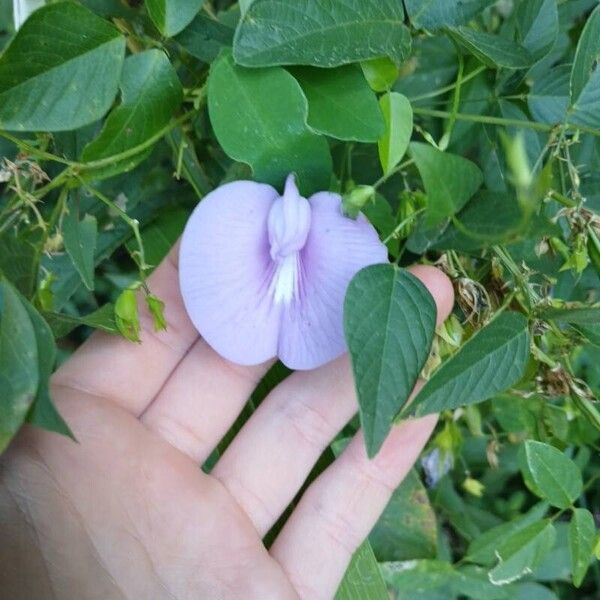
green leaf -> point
(381, 73)
(389, 320)
(205, 37)
(43, 413)
(305, 32)
(586, 56)
(362, 580)
(171, 16)
(150, 94)
(340, 103)
(80, 244)
(19, 371)
(407, 528)
(398, 116)
(482, 549)
(537, 24)
(62, 324)
(581, 315)
(259, 117)
(435, 14)
(492, 50)
(449, 181)
(522, 552)
(489, 362)
(61, 71)
(586, 109)
(582, 534)
(424, 576)
(549, 97)
(18, 262)
(550, 474)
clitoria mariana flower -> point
(264, 275)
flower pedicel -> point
(264, 275)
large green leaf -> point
(18, 261)
(435, 14)
(549, 97)
(205, 37)
(489, 362)
(150, 94)
(522, 552)
(493, 50)
(582, 534)
(323, 34)
(398, 116)
(537, 24)
(407, 528)
(43, 413)
(171, 16)
(579, 314)
(80, 243)
(61, 71)
(586, 56)
(19, 371)
(550, 474)
(341, 103)
(449, 181)
(362, 580)
(259, 117)
(389, 320)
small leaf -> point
(380, 73)
(305, 32)
(398, 117)
(407, 528)
(537, 23)
(435, 14)
(62, 324)
(362, 580)
(204, 37)
(171, 16)
(340, 103)
(259, 117)
(61, 71)
(489, 362)
(43, 412)
(19, 371)
(522, 552)
(551, 475)
(389, 320)
(582, 533)
(493, 50)
(18, 262)
(449, 181)
(150, 94)
(80, 244)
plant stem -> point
(395, 170)
(450, 87)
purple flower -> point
(264, 275)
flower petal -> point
(225, 271)
(337, 248)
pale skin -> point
(127, 512)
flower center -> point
(288, 226)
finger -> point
(337, 512)
(268, 461)
(201, 400)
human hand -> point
(128, 513)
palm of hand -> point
(128, 513)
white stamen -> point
(284, 285)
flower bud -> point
(126, 315)
(157, 309)
(353, 201)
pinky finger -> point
(339, 509)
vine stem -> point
(395, 170)
(489, 120)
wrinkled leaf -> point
(284, 32)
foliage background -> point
(105, 156)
